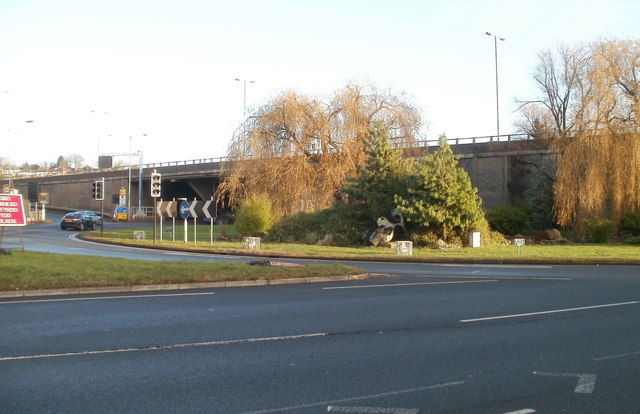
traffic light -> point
(156, 178)
(98, 187)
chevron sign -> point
(202, 209)
(197, 209)
(167, 208)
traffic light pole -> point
(155, 214)
(102, 217)
(98, 195)
(156, 191)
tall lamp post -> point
(129, 182)
(495, 51)
(98, 145)
(244, 103)
(30, 121)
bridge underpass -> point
(75, 191)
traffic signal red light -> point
(98, 187)
(156, 179)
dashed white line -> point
(165, 347)
(371, 410)
(500, 266)
(497, 277)
(521, 315)
(364, 397)
(408, 284)
(628, 354)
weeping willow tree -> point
(590, 93)
(599, 172)
(300, 150)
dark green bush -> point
(541, 205)
(309, 228)
(508, 220)
(633, 240)
(630, 224)
(599, 230)
(292, 228)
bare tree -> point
(536, 121)
(5, 162)
(300, 150)
(560, 77)
(75, 160)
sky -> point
(94, 77)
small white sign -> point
(404, 248)
(251, 243)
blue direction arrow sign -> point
(184, 209)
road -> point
(414, 339)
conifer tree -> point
(372, 192)
(440, 198)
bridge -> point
(503, 168)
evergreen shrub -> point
(509, 220)
(630, 224)
(598, 230)
(309, 228)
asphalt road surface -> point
(413, 339)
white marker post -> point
(519, 243)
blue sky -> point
(93, 73)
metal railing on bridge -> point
(420, 144)
(476, 140)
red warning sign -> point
(12, 210)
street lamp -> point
(98, 146)
(30, 121)
(244, 103)
(495, 50)
(129, 182)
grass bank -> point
(33, 270)
(578, 253)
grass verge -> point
(577, 253)
(33, 270)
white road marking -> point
(164, 347)
(149, 296)
(371, 410)
(496, 277)
(525, 411)
(520, 315)
(586, 382)
(408, 284)
(500, 266)
(604, 358)
(364, 397)
(185, 254)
